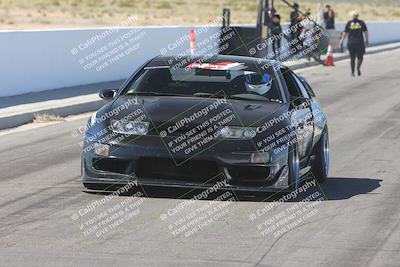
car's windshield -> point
(202, 80)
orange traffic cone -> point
(329, 56)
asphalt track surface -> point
(358, 223)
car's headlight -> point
(130, 127)
(235, 132)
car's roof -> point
(250, 63)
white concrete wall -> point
(39, 60)
(380, 31)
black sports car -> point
(241, 123)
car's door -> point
(301, 116)
(319, 117)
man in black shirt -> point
(276, 30)
(355, 31)
(295, 19)
(294, 15)
(329, 18)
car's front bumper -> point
(150, 163)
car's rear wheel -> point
(321, 165)
(294, 166)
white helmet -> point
(257, 83)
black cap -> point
(277, 16)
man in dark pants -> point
(294, 15)
(276, 30)
(295, 18)
(355, 31)
(329, 18)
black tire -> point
(321, 164)
(294, 167)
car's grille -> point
(164, 127)
(196, 171)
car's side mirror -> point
(107, 94)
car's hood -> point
(167, 109)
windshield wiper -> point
(253, 97)
(203, 94)
(238, 97)
(151, 93)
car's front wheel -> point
(294, 167)
(321, 165)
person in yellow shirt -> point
(355, 31)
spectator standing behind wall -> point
(306, 35)
(295, 18)
(329, 18)
(276, 30)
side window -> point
(308, 87)
(130, 88)
(303, 90)
(291, 83)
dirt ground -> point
(39, 14)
